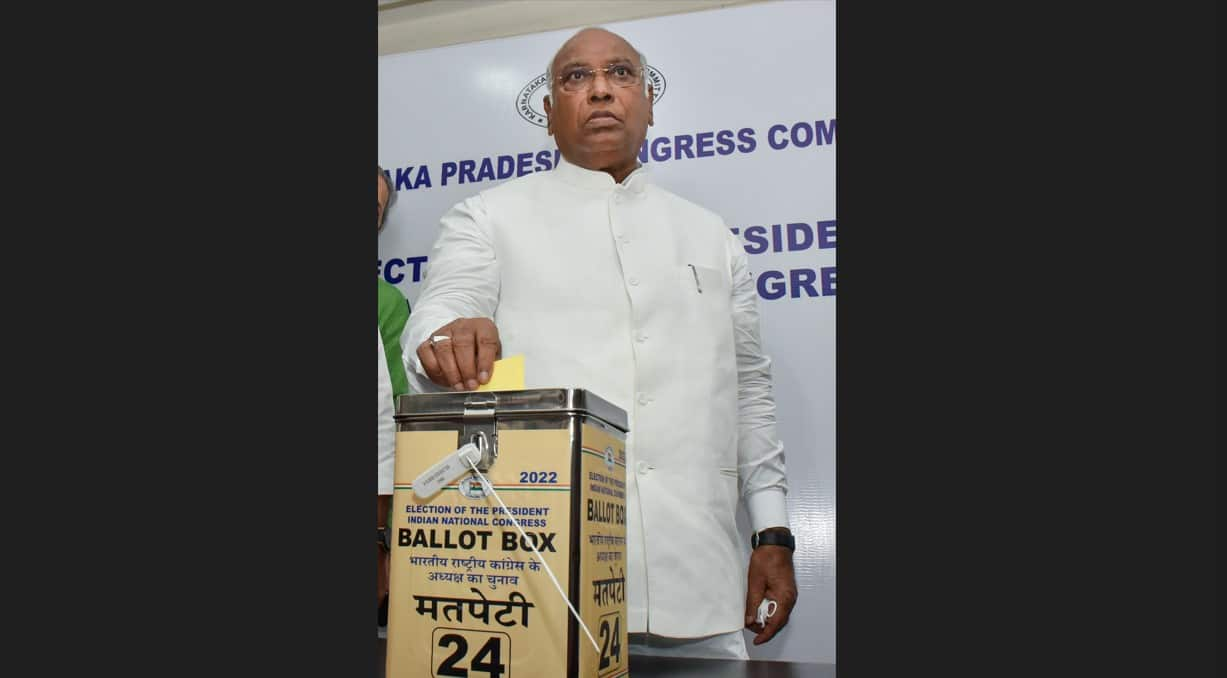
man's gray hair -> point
(643, 61)
(387, 180)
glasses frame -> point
(604, 70)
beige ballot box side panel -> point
(468, 597)
(601, 551)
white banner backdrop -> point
(745, 126)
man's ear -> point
(651, 121)
(549, 124)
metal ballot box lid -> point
(507, 405)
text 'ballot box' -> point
(468, 596)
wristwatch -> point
(384, 540)
(773, 536)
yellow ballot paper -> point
(507, 375)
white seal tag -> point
(445, 471)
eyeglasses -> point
(578, 78)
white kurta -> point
(645, 299)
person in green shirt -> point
(393, 307)
(393, 314)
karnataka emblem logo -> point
(609, 458)
(529, 101)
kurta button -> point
(633, 281)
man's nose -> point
(600, 90)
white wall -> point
(435, 23)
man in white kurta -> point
(644, 298)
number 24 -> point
(488, 659)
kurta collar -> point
(596, 180)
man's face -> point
(602, 126)
(383, 198)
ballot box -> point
(469, 597)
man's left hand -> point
(771, 576)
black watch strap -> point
(773, 538)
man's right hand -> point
(465, 358)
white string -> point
(533, 544)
